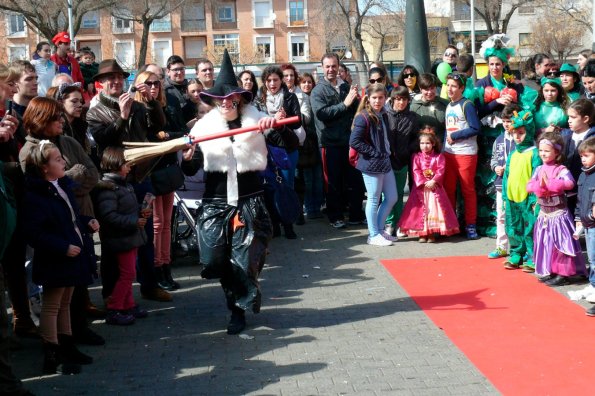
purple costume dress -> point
(556, 251)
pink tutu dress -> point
(556, 251)
(428, 212)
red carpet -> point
(523, 336)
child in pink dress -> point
(428, 210)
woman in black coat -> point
(276, 100)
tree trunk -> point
(144, 41)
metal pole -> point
(70, 26)
(473, 33)
(417, 46)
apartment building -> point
(253, 31)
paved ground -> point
(333, 323)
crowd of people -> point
(504, 157)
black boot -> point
(161, 281)
(237, 323)
(289, 233)
(70, 353)
(53, 362)
(168, 277)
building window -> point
(194, 47)
(391, 42)
(124, 54)
(161, 51)
(193, 18)
(161, 25)
(525, 39)
(296, 13)
(264, 48)
(122, 25)
(263, 11)
(15, 24)
(298, 48)
(90, 20)
(229, 41)
(17, 52)
(226, 13)
(461, 11)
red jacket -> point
(69, 65)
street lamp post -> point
(70, 26)
(417, 46)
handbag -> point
(168, 179)
(285, 198)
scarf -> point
(274, 102)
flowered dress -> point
(555, 250)
(428, 212)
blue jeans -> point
(289, 174)
(377, 184)
(313, 196)
(590, 239)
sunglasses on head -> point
(377, 80)
(457, 76)
(409, 75)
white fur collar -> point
(248, 151)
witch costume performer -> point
(235, 227)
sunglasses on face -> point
(377, 80)
(553, 73)
(450, 54)
(177, 69)
(155, 84)
(409, 75)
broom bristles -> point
(147, 150)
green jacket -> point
(431, 113)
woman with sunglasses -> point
(377, 75)
(506, 91)
(408, 78)
(149, 90)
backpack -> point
(8, 213)
(353, 154)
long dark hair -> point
(562, 97)
(265, 75)
(254, 89)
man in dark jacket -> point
(403, 126)
(175, 85)
(115, 119)
(334, 104)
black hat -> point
(226, 84)
(109, 66)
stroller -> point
(187, 200)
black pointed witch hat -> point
(226, 84)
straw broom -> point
(140, 151)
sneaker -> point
(338, 224)
(590, 298)
(388, 236)
(586, 292)
(390, 230)
(471, 232)
(431, 239)
(378, 240)
(422, 240)
(497, 253)
(401, 234)
(590, 311)
(119, 318)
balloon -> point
(490, 93)
(511, 92)
(442, 71)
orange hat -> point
(62, 37)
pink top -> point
(559, 180)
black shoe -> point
(53, 363)
(88, 337)
(289, 232)
(301, 219)
(276, 230)
(558, 280)
(237, 323)
(69, 352)
(168, 277)
(545, 278)
(161, 281)
(590, 311)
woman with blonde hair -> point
(166, 176)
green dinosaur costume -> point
(521, 206)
